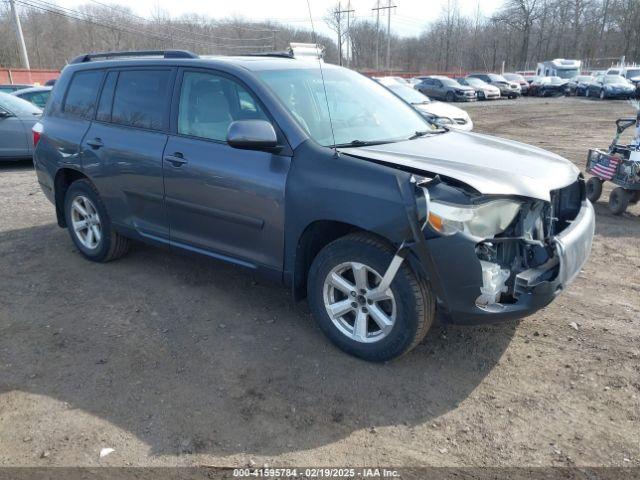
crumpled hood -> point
(490, 165)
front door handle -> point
(95, 143)
(177, 159)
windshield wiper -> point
(422, 133)
(419, 133)
(361, 143)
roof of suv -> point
(254, 63)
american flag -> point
(605, 168)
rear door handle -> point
(95, 143)
(177, 160)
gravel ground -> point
(174, 360)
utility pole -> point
(388, 9)
(377, 10)
(19, 35)
(349, 33)
(339, 13)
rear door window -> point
(142, 98)
(106, 98)
(82, 94)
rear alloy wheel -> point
(359, 317)
(619, 200)
(594, 189)
(85, 222)
(89, 224)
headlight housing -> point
(484, 220)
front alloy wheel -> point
(353, 305)
(603, 95)
(360, 317)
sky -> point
(408, 18)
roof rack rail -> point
(137, 53)
(283, 54)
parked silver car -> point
(17, 117)
(483, 89)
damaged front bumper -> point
(471, 290)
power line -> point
(73, 14)
(388, 9)
(76, 12)
(339, 13)
(177, 29)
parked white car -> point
(391, 80)
(440, 113)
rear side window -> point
(141, 98)
(82, 94)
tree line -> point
(518, 35)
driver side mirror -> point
(252, 135)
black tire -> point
(635, 197)
(619, 200)
(603, 95)
(450, 97)
(112, 245)
(481, 95)
(594, 189)
(415, 304)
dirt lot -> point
(172, 360)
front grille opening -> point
(565, 204)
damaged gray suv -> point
(320, 179)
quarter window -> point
(209, 103)
(81, 96)
(141, 98)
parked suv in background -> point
(323, 180)
(445, 88)
(507, 89)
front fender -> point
(376, 198)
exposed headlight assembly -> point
(485, 220)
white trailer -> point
(559, 67)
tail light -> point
(37, 130)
